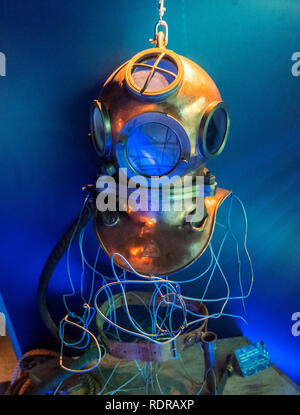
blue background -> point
(58, 55)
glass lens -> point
(216, 130)
(98, 129)
(163, 75)
(158, 81)
(153, 149)
(168, 66)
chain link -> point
(161, 9)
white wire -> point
(160, 283)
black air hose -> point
(53, 260)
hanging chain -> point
(158, 41)
(161, 9)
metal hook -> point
(161, 38)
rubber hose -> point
(60, 374)
(53, 260)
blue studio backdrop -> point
(57, 56)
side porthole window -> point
(100, 129)
(214, 130)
